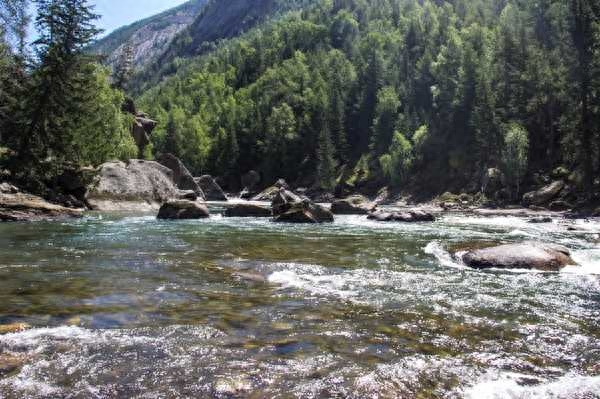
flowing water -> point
(129, 306)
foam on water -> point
(442, 255)
(318, 281)
(38, 337)
(588, 261)
(507, 386)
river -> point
(124, 305)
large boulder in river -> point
(135, 185)
(269, 193)
(20, 207)
(544, 195)
(354, 205)
(212, 191)
(248, 210)
(291, 208)
(182, 209)
(527, 255)
(181, 175)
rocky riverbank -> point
(138, 185)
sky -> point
(117, 13)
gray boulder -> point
(354, 205)
(181, 175)
(248, 210)
(141, 131)
(133, 185)
(544, 195)
(182, 209)
(212, 191)
(527, 255)
(21, 207)
(189, 195)
(291, 208)
(269, 193)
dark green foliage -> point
(413, 91)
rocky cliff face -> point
(150, 37)
(224, 19)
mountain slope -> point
(360, 94)
(225, 19)
(149, 37)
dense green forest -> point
(419, 95)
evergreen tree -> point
(386, 115)
(61, 96)
(326, 166)
(172, 140)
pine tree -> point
(61, 98)
(13, 77)
(327, 164)
(172, 141)
(386, 116)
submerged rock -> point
(181, 175)
(528, 255)
(291, 208)
(181, 209)
(10, 363)
(132, 185)
(410, 216)
(540, 220)
(21, 207)
(212, 191)
(248, 210)
(13, 328)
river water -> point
(129, 306)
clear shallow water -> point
(128, 306)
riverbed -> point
(124, 305)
